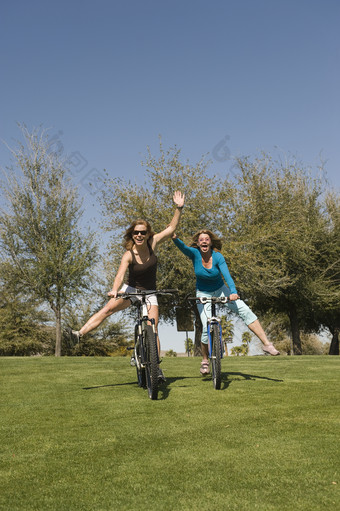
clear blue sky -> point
(225, 77)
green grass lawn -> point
(79, 434)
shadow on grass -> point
(228, 377)
(165, 387)
(111, 385)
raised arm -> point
(178, 199)
(188, 251)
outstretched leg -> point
(246, 314)
(113, 305)
(257, 329)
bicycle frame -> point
(146, 346)
(215, 341)
(142, 321)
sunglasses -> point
(143, 233)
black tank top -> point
(143, 276)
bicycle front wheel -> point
(216, 356)
(151, 367)
(139, 358)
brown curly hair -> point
(216, 242)
(128, 241)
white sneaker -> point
(74, 335)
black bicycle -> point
(146, 348)
(215, 341)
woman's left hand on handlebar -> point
(233, 297)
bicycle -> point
(145, 346)
(215, 341)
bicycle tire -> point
(216, 356)
(141, 378)
(151, 367)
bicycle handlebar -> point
(147, 292)
(209, 299)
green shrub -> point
(21, 348)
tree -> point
(227, 332)
(189, 346)
(171, 353)
(23, 323)
(311, 345)
(276, 227)
(325, 281)
(39, 231)
(244, 348)
(239, 350)
(246, 339)
(272, 221)
(206, 206)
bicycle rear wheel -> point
(216, 356)
(151, 367)
(139, 358)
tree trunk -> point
(57, 351)
(334, 347)
(295, 329)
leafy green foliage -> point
(171, 353)
(24, 326)
(243, 349)
(325, 282)
(280, 233)
(276, 238)
(189, 346)
(39, 232)
(124, 202)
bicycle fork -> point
(141, 323)
(211, 322)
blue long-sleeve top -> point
(208, 279)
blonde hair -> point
(128, 241)
(215, 241)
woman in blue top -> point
(210, 266)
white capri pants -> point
(238, 307)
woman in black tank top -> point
(141, 261)
(143, 276)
